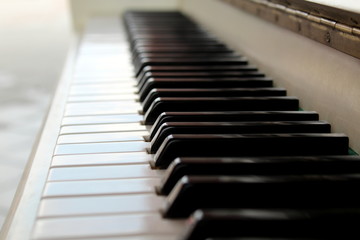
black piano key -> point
(273, 224)
(194, 69)
(205, 74)
(232, 117)
(209, 92)
(295, 165)
(290, 191)
(263, 238)
(235, 128)
(150, 45)
(189, 61)
(237, 145)
(229, 82)
(196, 104)
(183, 49)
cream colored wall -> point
(81, 10)
(324, 79)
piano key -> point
(98, 89)
(236, 145)
(209, 92)
(139, 55)
(190, 61)
(272, 224)
(102, 172)
(99, 119)
(100, 187)
(101, 108)
(195, 104)
(102, 226)
(102, 137)
(232, 116)
(235, 82)
(181, 49)
(219, 83)
(101, 128)
(93, 205)
(235, 128)
(204, 74)
(101, 159)
(295, 165)
(299, 192)
(194, 69)
(262, 238)
(112, 147)
(98, 98)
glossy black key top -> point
(209, 92)
(190, 68)
(235, 128)
(197, 104)
(236, 145)
(296, 165)
(204, 74)
(189, 61)
(232, 116)
(291, 191)
(186, 49)
(229, 82)
(273, 224)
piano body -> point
(89, 176)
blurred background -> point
(34, 38)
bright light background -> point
(34, 39)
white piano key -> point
(101, 159)
(94, 108)
(85, 148)
(97, 128)
(93, 205)
(98, 89)
(121, 118)
(102, 137)
(102, 172)
(101, 187)
(103, 226)
(123, 77)
(147, 237)
(94, 98)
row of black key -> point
(230, 140)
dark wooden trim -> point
(332, 32)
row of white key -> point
(100, 185)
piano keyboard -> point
(198, 144)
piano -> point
(200, 123)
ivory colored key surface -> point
(99, 119)
(105, 226)
(100, 187)
(99, 98)
(92, 205)
(94, 108)
(101, 159)
(120, 127)
(98, 89)
(102, 172)
(102, 137)
(82, 148)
